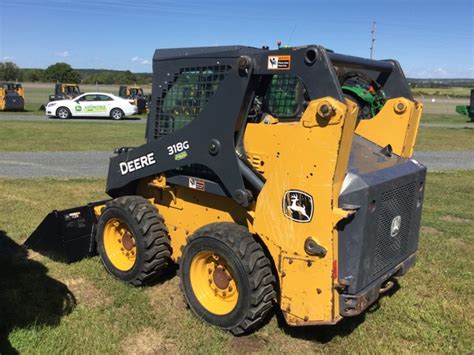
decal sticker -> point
(279, 62)
(181, 155)
(178, 147)
(395, 227)
(95, 108)
(197, 184)
(137, 164)
(78, 108)
(72, 215)
(298, 206)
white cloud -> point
(440, 71)
(63, 54)
(140, 60)
(8, 58)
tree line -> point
(63, 72)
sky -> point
(430, 38)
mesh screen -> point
(185, 97)
(283, 96)
(389, 249)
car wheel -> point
(63, 112)
(117, 114)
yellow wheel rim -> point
(213, 283)
(119, 244)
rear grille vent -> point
(391, 246)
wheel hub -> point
(127, 241)
(119, 243)
(221, 278)
(213, 283)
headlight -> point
(51, 104)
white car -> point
(92, 104)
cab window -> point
(284, 97)
(88, 98)
(104, 98)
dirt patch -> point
(454, 219)
(147, 342)
(168, 297)
(247, 345)
(430, 230)
(86, 292)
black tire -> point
(63, 113)
(251, 270)
(116, 114)
(151, 237)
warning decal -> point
(197, 184)
(279, 62)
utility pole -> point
(372, 44)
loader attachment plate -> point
(67, 235)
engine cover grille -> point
(393, 227)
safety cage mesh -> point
(185, 96)
(284, 96)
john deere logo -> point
(395, 227)
(298, 206)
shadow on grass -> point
(28, 296)
(326, 333)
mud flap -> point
(67, 235)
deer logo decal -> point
(298, 206)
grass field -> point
(452, 92)
(69, 136)
(48, 307)
(440, 118)
(445, 139)
(93, 136)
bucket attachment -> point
(67, 235)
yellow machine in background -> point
(12, 97)
(273, 178)
(136, 94)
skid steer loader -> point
(62, 92)
(12, 97)
(261, 178)
(136, 94)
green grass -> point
(445, 139)
(454, 118)
(48, 307)
(453, 92)
(69, 136)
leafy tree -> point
(62, 72)
(33, 75)
(9, 71)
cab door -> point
(90, 105)
(107, 101)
